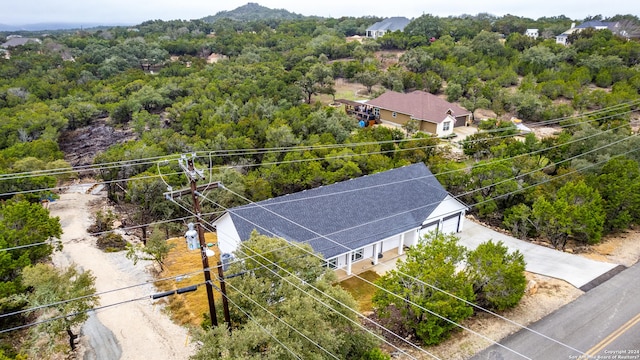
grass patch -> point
(188, 308)
(360, 290)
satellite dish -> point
(209, 252)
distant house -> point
(532, 33)
(366, 218)
(14, 41)
(435, 115)
(387, 25)
(597, 25)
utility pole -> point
(223, 290)
(193, 175)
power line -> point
(79, 312)
(286, 324)
(413, 209)
(385, 329)
(106, 182)
(292, 244)
(380, 287)
(96, 294)
(258, 151)
(340, 303)
(260, 325)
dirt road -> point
(134, 330)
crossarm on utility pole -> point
(203, 246)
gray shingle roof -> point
(594, 24)
(19, 41)
(390, 24)
(351, 214)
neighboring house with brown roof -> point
(435, 115)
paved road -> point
(604, 323)
(100, 344)
(574, 269)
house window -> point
(332, 263)
(446, 126)
(376, 111)
(357, 255)
(394, 114)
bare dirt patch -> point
(141, 329)
(623, 248)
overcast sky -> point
(17, 12)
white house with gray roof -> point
(595, 24)
(352, 220)
(387, 25)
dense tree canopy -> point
(250, 99)
(434, 288)
(287, 291)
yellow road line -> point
(609, 339)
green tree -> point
(414, 289)
(497, 275)
(494, 185)
(23, 223)
(576, 211)
(50, 285)
(319, 79)
(426, 26)
(518, 220)
(619, 185)
(156, 249)
(488, 43)
(147, 194)
(369, 78)
(297, 291)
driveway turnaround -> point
(576, 270)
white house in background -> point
(597, 25)
(351, 220)
(532, 33)
(387, 25)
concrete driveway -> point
(574, 269)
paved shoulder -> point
(574, 269)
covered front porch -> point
(369, 256)
(384, 264)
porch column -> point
(375, 254)
(349, 262)
(401, 245)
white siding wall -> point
(452, 122)
(368, 252)
(228, 238)
(410, 238)
(390, 243)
